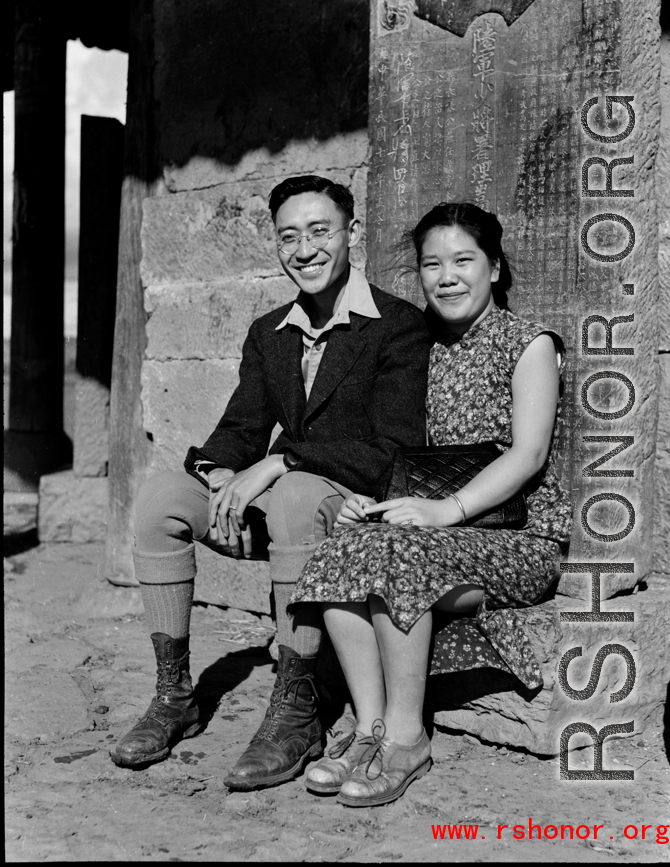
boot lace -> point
(168, 672)
(280, 694)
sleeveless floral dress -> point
(469, 401)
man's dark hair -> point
(312, 184)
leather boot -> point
(172, 714)
(289, 735)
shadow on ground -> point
(223, 676)
(19, 543)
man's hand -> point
(352, 510)
(219, 534)
(230, 494)
(218, 476)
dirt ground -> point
(80, 670)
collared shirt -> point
(356, 298)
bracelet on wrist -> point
(460, 506)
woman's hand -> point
(535, 385)
(420, 513)
(352, 510)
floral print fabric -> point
(469, 400)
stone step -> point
(19, 512)
(241, 584)
(496, 707)
(72, 509)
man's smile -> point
(312, 268)
(319, 266)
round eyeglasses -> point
(318, 239)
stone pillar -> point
(129, 446)
(507, 109)
(35, 442)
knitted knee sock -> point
(167, 607)
(302, 627)
(167, 580)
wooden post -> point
(35, 442)
(128, 443)
(100, 199)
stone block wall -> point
(245, 98)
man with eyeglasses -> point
(342, 369)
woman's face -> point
(456, 277)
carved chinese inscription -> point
(483, 113)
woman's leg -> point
(400, 752)
(350, 628)
(353, 637)
(386, 668)
(404, 658)
(462, 600)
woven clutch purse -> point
(434, 472)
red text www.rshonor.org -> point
(532, 831)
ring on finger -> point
(410, 521)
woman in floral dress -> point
(493, 377)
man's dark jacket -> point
(367, 399)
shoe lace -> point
(376, 747)
(340, 747)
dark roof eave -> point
(103, 25)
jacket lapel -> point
(343, 348)
(287, 378)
